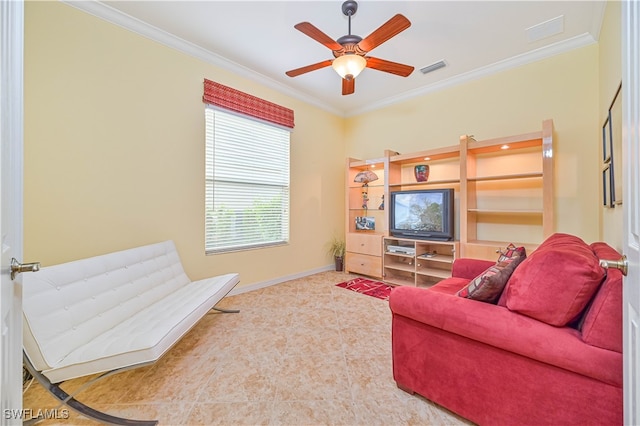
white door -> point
(11, 48)
(631, 204)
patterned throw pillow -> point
(488, 286)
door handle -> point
(17, 267)
(622, 264)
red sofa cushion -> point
(465, 267)
(497, 326)
(488, 286)
(556, 281)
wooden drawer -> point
(370, 244)
(364, 264)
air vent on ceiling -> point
(433, 67)
(545, 29)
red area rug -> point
(368, 287)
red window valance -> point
(226, 97)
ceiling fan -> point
(350, 51)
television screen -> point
(422, 213)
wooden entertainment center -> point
(503, 194)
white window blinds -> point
(247, 182)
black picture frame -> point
(606, 139)
(612, 153)
(615, 137)
(365, 223)
(606, 187)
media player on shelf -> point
(428, 255)
(401, 249)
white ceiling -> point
(257, 39)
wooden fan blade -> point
(308, 68)
(313, 32)
(388, 66)
(348, 86)
(392, 27)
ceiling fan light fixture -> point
(350, 51)
(349, 65)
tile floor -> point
(303, 352)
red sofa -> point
(548, 352)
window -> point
(247, 182)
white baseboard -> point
(279, 280)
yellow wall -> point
(114, 146)
(563, 88)
(610, 65)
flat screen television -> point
(422, 214)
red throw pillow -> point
(488, 286)
(556, 281)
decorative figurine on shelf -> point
(365, 198)
(365, 177)
(381, 206)
(421, 172)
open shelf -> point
(437, 258)
(367, 164)
(399, 267)
(503, 193)
(365, 222)
(522, 141)
(436, 154)
(435, 273)
(489, 249)
(418, 268)
(507, 176)
(430, 182)
(506, 191)
(490, 211)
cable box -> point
(402, 250)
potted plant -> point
(337, 249)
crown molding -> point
(526, 58)
(598, 20)
(114, 16)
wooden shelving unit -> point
(364, 246)
(503, 194)
(506, 192)
(444, 168)
(430, 261)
